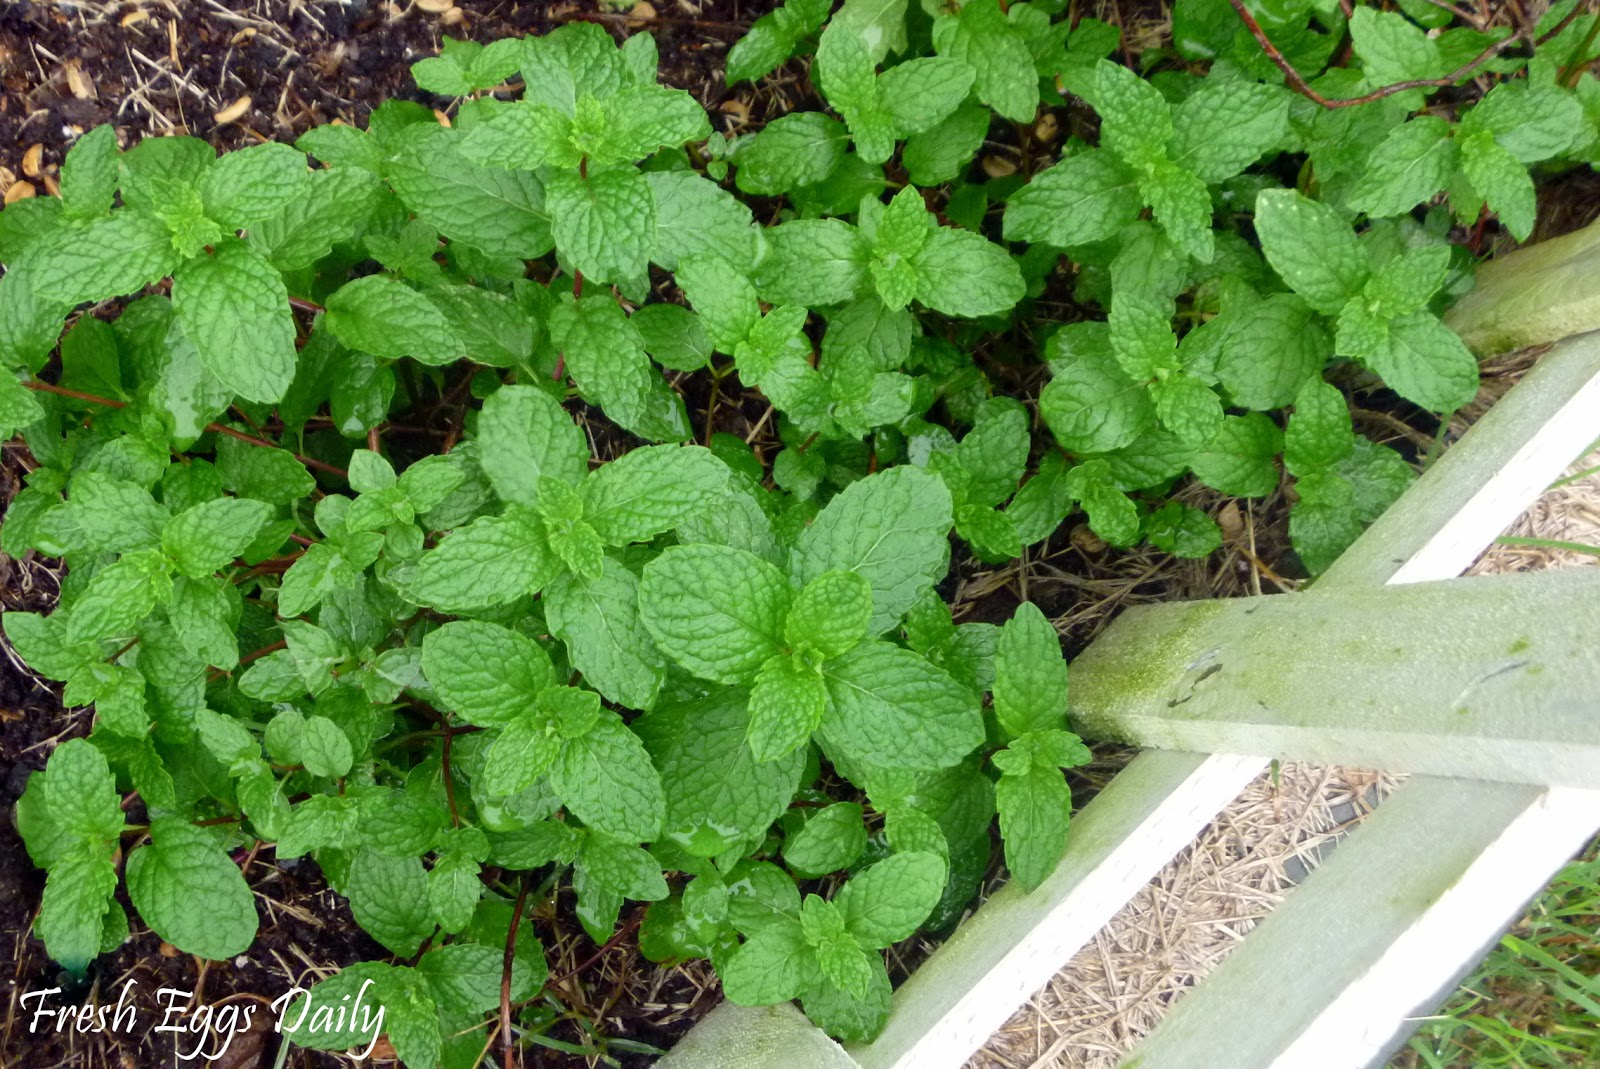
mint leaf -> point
(1425, 362)
(389, 897)
(1311, 247)
(251, 185)
(77, 896)
(1086, 197)
(1323, 521)
(831, 613)
(119, 596)
(980, 35)
(717, 611)
(963, 274)
(1392, 48)
(526, 436)
(385, 317)
(111, 257)
(891, 708)
(696, 217)
(799, 149)
(607, 781)
(1319, 433)
(1181, 203)
(717, 791)
(1030, 674)
(499, 212)
(813, 262)
(1239, 460)
(1501, 180)
(1112, 515)
(650, 490)
(1269, 349)
(889, 901)
(207, 537)
(598, 619)
(604, 223)
(1225, 127)
(889, 528)
(1135, 122)
(786, 707)
(607, 361)
(189, 890)
(1183, 531)
(1034, 808)
(490, 561)
(674, 337)
(772, 966)
(89, 174)
(233, 305)
(831, 840)
(921, 93)
(488, 674)
(1090, 403)
(1412, 164)
(622, 868)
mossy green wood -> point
(1491, 678)
(756, 1037)
(1532, 296)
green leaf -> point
(717, 791)
(207, 537)
(1086, 197)
(622, 868)
(831, 840)
(488, 674)
(1135, 121)
(980, 35)
(389, 898)
(831, 613)
(607, 361)
(937, 155)
(1502, 181)
(80, 793)
(1239, 460)
(599, 621)
(1030, 674)
(607, 781)
(1269, 350)
(1532, 122)
(325, 750)
(1425, 362)
(1311, 247)
(526, 435)
(1411, 164)
(798, 149)
(813, 262)
(889, 901)
(889, 528)
(1034, 809)
(89, 174)
(465, 977)
(1319, 433)
(603, 223)
(119, 596)
(963, 274)
(921, 93)
(251, 185)
(848, 1016)
(1408, 281)
(1392, 48)
(1112, 515)
(723, 296)
(1090, 403)
(522, 753)
(772, 966)
(77, 894)
(499, 212)
(696, 217)
(1187, 407)
(715, 610)
(773, 38)
(1323, 521)
(189, 890)
(1181, 203)
(650, 490)
(1225, 127)
(111, 257)
(491, 561)
(674, 337)
(786, 707)
(233, 306)
(385, 317)
(1183, 531)
(891, 708)
(331, 205)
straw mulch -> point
(1196, 911)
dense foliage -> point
(685, 674)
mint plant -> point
(393, 542)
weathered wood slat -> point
(1490, 678)
(756, 1037)
(1332, 976)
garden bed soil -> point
(172, 67)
